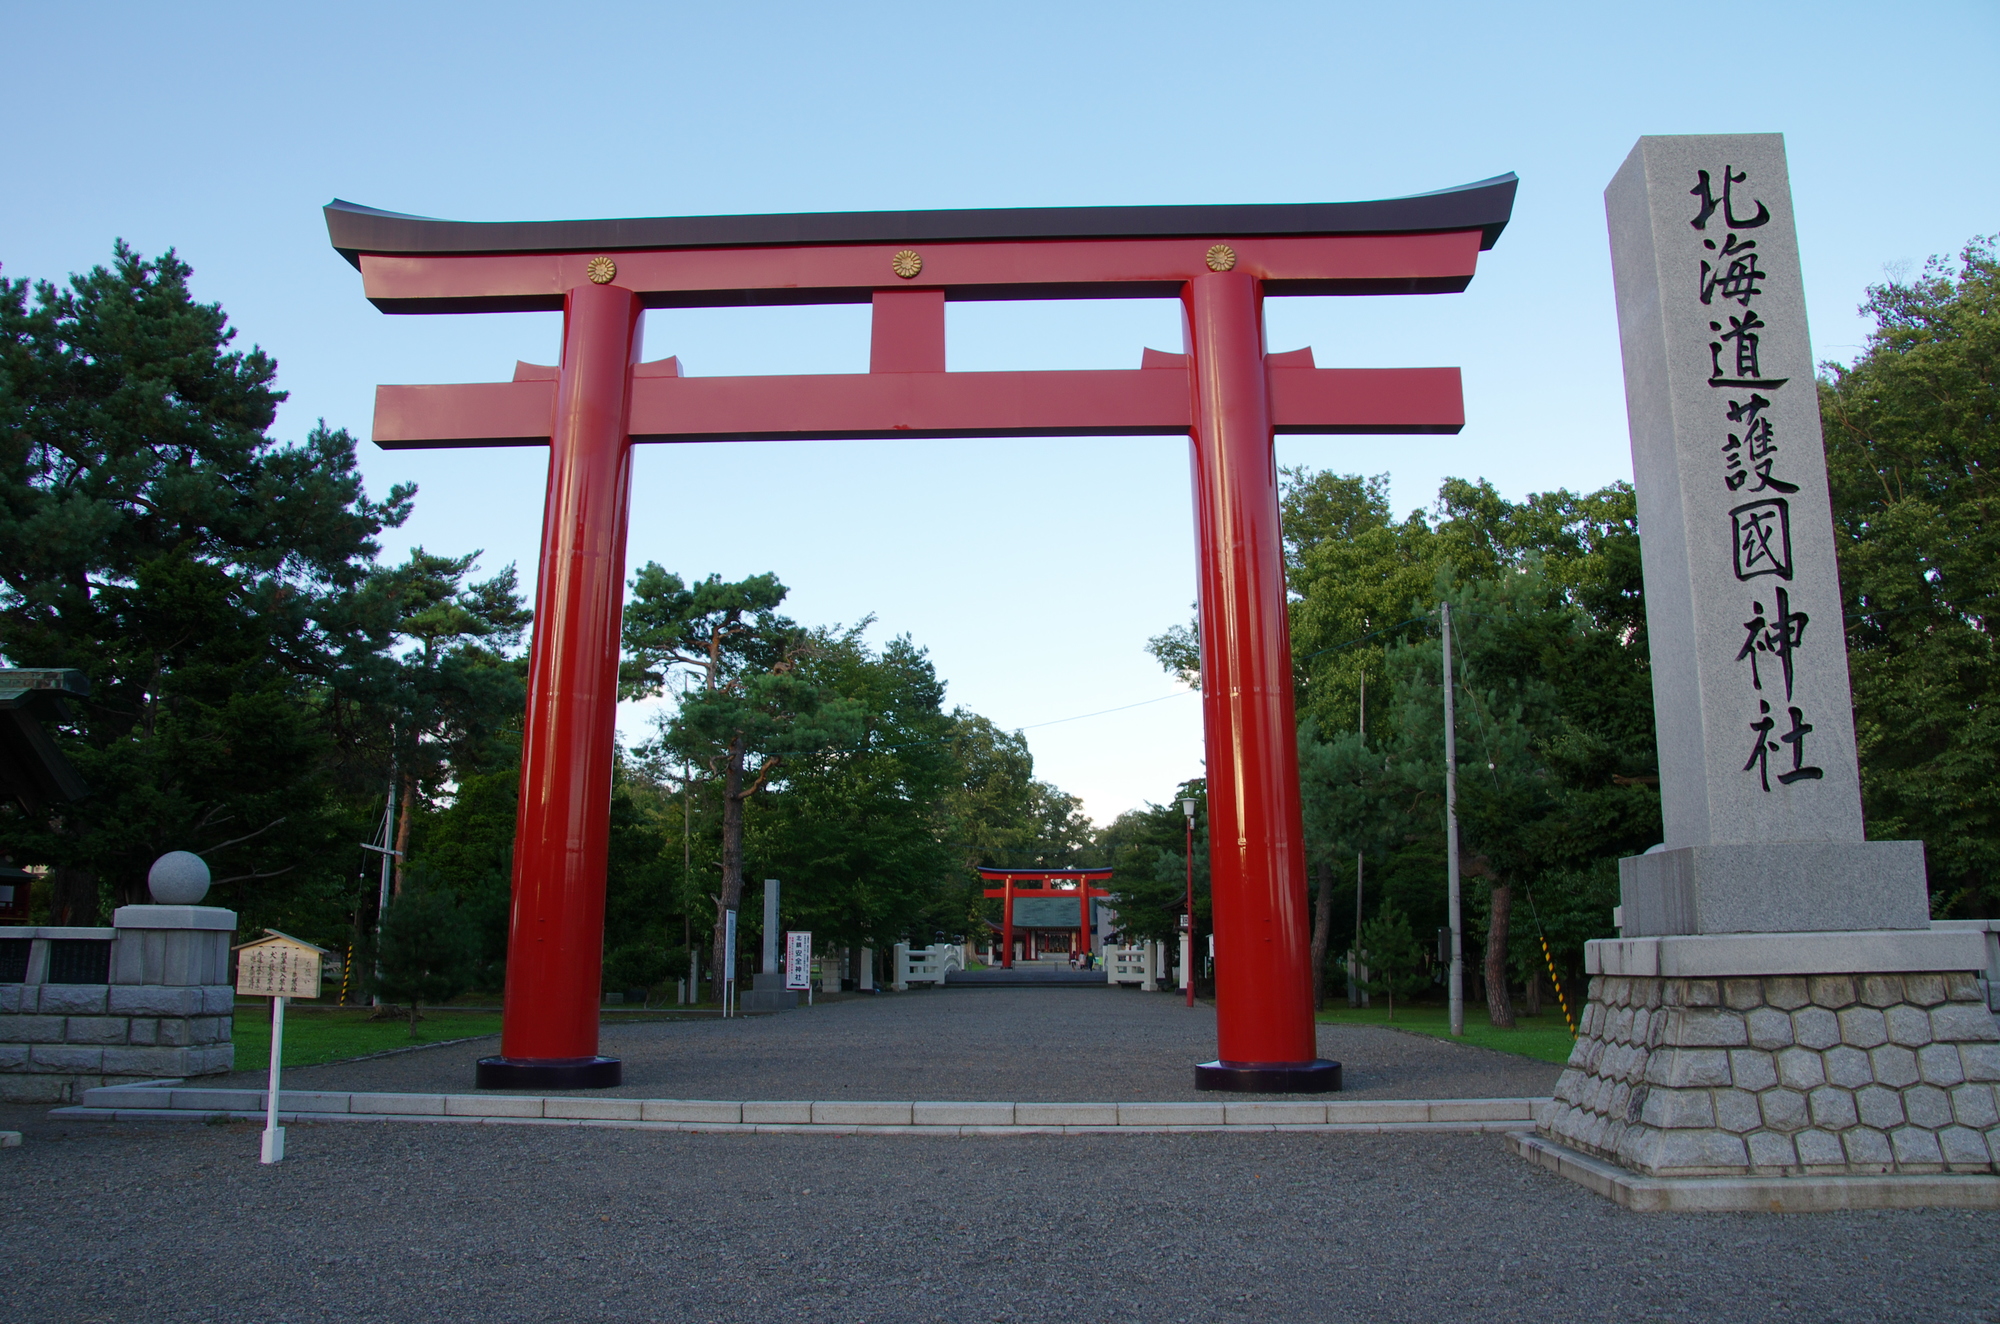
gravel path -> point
(1006, 1044)
(438, 1223)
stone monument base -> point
(1776, 1195)
(1784, 1056)
(768, 993)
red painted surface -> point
(851, 273)
(555, 948)
(906, 331)
(1007, 936)
(1148, 402)
(1263, 977)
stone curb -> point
(84, 1114)
(178, 1102)
(1777, 1195)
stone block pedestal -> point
(768, 993)
(1713, 1056)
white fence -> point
(1125, 965)
(926, 965)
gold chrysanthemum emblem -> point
(907, 263)
(1221, 258)
(602, 271)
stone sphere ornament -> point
(178, 878)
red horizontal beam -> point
(1035, 893)
(851, 273)
(1141, 402)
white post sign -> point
(280, 968)
(798, 962)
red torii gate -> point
(1086, 891)
(1224, 393)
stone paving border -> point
(173, 1101)
(1777, 1195)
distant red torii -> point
(1085, 890)
(1224, 393)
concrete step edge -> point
(1224, 1113)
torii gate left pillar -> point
(1225, 393)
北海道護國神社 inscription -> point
(1743, 600)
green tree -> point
(428, 950)
(1555, 696)
(1394, 957)
(1913, 446)
(460, 687)
(753, 704)
(1147, 850)
(467, 848)
(857, 828)
(207, 579)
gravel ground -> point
(1006, 1044)
(436, 1223)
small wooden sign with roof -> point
(279, 966)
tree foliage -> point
(1555, 735)
(1913, 450)
(429, 951)
(1394, 957)
(209, 581)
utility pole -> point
(388, 856)
(1451, 835)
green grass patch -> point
(332, 1034)
(1546, 1036)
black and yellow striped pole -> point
(1549, 957)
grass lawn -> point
(329, 1034)
(1545, 1036)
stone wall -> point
(166, 1009)
(1784, 1075)
(58, 1040)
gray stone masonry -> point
(57, 1040)
(1785, 1075)
(167, 1012)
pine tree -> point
(206, 579)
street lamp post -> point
(1187, 807)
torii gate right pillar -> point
(1263, 972)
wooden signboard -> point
(278, 966)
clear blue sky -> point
(1034, 571)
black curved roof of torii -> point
(1485, 206)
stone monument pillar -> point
(773, 962)
(767, 986)
(1778, 1003)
